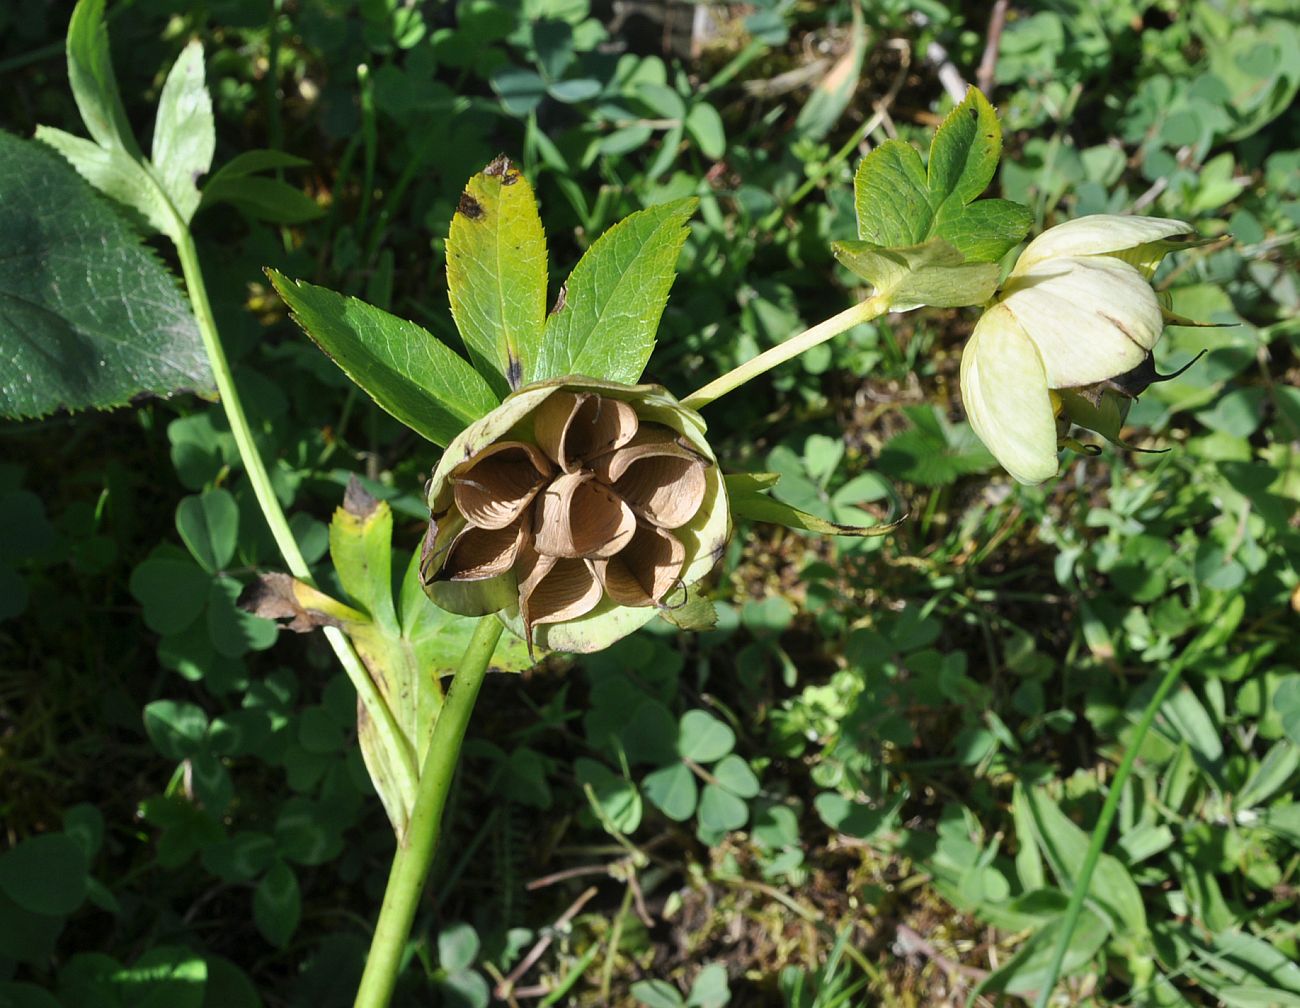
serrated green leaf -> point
(184, 136)
(965, 149)
(605, 326)
(496, 275)
(439, 638)
(407, 650)
(113, 162)
(361, 547)
(930, 274)
(400, 365)
(747, 501)
(901, 203)
(88, 316)
(94, 85)
(984, 230)
(891, 196)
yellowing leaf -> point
(496, 275)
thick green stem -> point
(270, 504)
(1083, 880)
(863, 311)
(415, 849)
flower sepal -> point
(933, 273)
(1103, 407)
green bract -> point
(1077, 311)
(626, 550)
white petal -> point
(1004, 390)
(1090, 318)
(1098, 234)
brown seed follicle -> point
(552, 582)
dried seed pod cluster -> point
(577, 510)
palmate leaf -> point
(901, 202)
(88, 316)
(161, 194)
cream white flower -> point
(1076, 311)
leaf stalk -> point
(260, 480)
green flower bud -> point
(1077, 311)
(576, 510)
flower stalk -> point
(415, 850)
(863, 311)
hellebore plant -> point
(573, 503)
